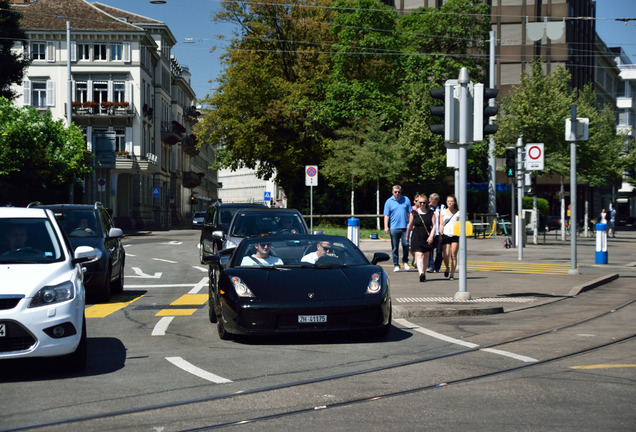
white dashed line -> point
(162, 326)
(404, 323)
(190, 368)
(203, 282)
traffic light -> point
(193, 199)
(510, 162)
(447, 111)
(482, 113)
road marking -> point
(140, 274)
(190, 368)
(175, 312)
(162, 326)
(103, 310)
(165, 260)
(159, 285)
(516, 267)
(190, 299)
(475, 300)
(604, 366)
(466, 344)
(203, 282)
(173, 242)
(203, 269)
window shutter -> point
(129, 143)
(89, 139)
(50, 93)
(128, 92)
(89, 90)
(110, 90)
(50, 52)
(126, 53)
(73, 51)
(27, 92)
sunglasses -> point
(265, 244)
(327, 248)
(422, 202)
(397, 192)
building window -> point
(119, 91)
(120, 139)
(99, 52)
(38, 94)
(81, 91)
(38, 51)
(100, 91)
(83, 52)
(116, 52)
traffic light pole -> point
(573, 219)
(520, 180)
(465, 137)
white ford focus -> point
(41, 288)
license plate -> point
(3, 330)
(303, 319)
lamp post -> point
(69, 89)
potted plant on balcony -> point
(122, 154)
(78, 107)
(106, 105)
(121, 107)
(90, 105)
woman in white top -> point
(450, 242)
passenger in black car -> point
(322, 249)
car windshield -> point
(77, 222)
(28, 240)
(298, 251)
(252, 223)
(198, 214)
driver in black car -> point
(83, 225)
(286, 225)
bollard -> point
(601, 243)
(353, 230)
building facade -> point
(130, 96)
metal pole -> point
(465, 136)
(573, 219)
(520, 178)
(69, 98)
(492, 162)
(311, 208)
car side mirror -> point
(379, 257)
(115, 233)
(217, 235)
(86, 254)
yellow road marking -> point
(604, 366)
(103, 310)
(509, 267)
(175, 312)
(190, 299)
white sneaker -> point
(407, 267)
(396, 269)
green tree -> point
(13, 64)
(39, 157)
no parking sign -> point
(534, 156)
(311, 175)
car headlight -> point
(374, 284)
(241, 289)
(53, 294)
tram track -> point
(79, 420)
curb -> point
(593, 284)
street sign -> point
(534, 156)
(155, 192)
(267, 196)
(101, 185)
(577, 130)
(311, 175)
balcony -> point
(115, 113)
(189, 145)
(172, 132)
(192, 179)
(131, 163)
(191, 115)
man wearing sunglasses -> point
(262, 256)
(396, 219)
(322, 249)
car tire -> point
(384, 331)
(223, 333)
(76, 361)
(211, 305)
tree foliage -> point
(538, 108)
(13, 65)
(37, 154)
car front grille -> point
(9, 302)
(16, 339)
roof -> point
(43, 15)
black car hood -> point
(299, 284)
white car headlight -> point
(53, 294)
(374, 284)
(241, 289)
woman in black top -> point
(422, 223)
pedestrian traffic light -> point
(482, 113)
(510, 162)
(447, 111)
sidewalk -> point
(499, 282)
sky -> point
(190, 20)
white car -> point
(42, 290)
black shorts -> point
(449, 239)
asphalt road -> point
(157, 364)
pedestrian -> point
(423, 225)
(603, 217)
(413, 208)
(611, 225)
(450, 242)
(396, 219)
(435, 256)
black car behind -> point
(92, 225)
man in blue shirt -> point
(396, 220)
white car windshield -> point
(28, 240)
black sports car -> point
(298, 283)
